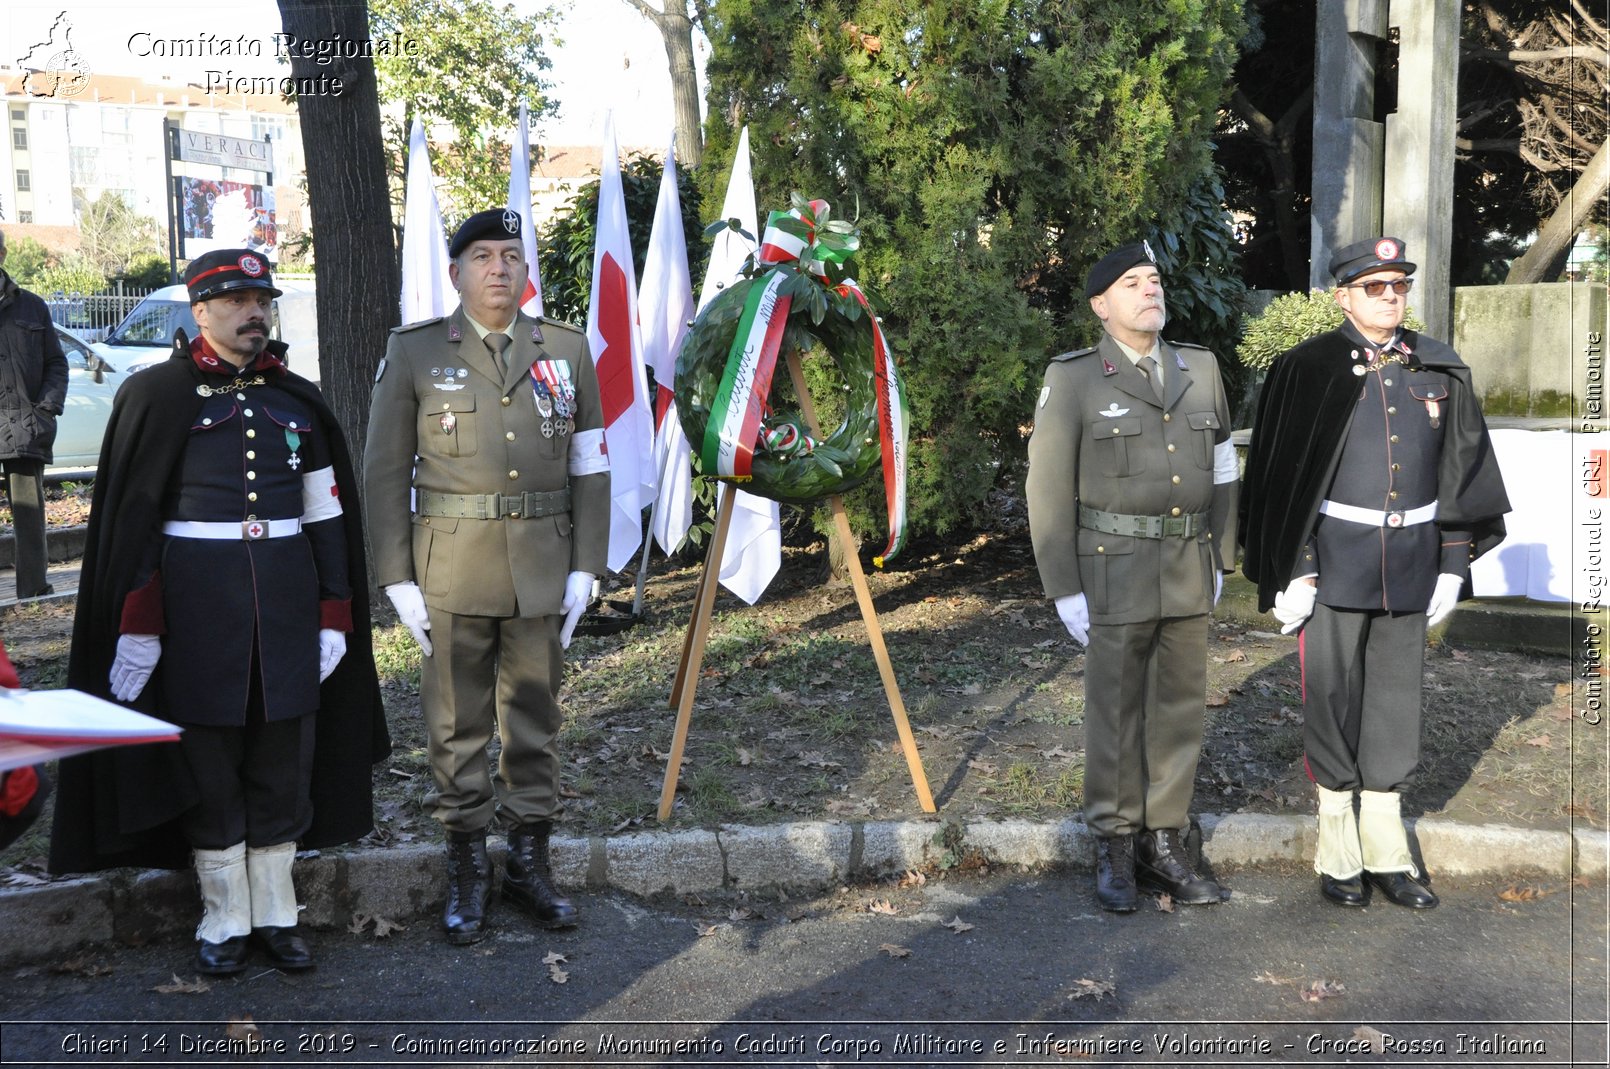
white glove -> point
(332, 647)
(578, 592)
(137, 655)
(1218, 586)
(1444, 598)
(1295, 604)
(410, 606)
(1075, 612)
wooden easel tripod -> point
(693, 642)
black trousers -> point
(255, 782)
(1362, 675)
(25, 489)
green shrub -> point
(1289, 321)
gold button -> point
(1175, 511)
(251, 434)
(427, 521)
(1393, 494)
(1101, 549)
(514, 515)
(252, 496)
(1391, 410)
(446, 407)
(1394, 439)
(509, 436)
(1175, 480)
(514, 475)
(251, 475)
(1396, 467)
(1171, 447)
(1166, 417)
(507, 402)
(1115, 430)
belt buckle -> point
(1395, 519)
(252, 530)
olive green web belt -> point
(527, 506)
(1187, 526)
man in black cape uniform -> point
(224, 587)
(1370, 486)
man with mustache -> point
(223, 584)
(1131, 492)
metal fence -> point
(92, 315)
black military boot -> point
(469, 884)
(1115, 874)
(528, 882)
(1164, 866)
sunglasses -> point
(1376, 287)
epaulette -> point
(1073, 355)
(560, 324)
(1187, 345)
(415, 326)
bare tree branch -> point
(1518, 56)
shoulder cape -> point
(120, 806)
(1304, 411)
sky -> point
(610, 58)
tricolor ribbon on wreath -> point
(789, 247)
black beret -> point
(1111, 267)
(1356, 259)
(494, 224)
(221, 271)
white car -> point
(91, 384)
(145, 337)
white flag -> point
(520, 202)
(427, 289)
(617, 349)
(754, 549)
(664, 308)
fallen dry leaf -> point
(1057, 751)
(706, 930)
(745, 758)
(895, 951)
(983, 766)
(181, 987)
(1092, 989)
(243, 1029)
(1165, 903)
(24, 879)
(552, 960)
(1323, 989)
(384, 926)
(883, 906)
(1271, 978)
(740, 913)
(1542, 742)
(957, 925)
(1562, 690)
(1235, 657)
(1373, 1036)
(1515, 893)
(1217, 701)
(912, 878)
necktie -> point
(498, 345)
(1153, 373)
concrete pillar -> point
(1348, 142)
(1419, 151)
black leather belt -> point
(1119, 523)
(526, 506)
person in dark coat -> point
(1370, 486)
(224, 581)
(33, 388)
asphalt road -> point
(824, 981)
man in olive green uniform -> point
(487, 488)
(1131, 493)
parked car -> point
(91, 385)
(145, 337)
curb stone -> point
(404, 883)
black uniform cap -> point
(1372, 254)
(222, 271)
(1111, 267)
(494, 224)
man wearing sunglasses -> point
(1370, 487)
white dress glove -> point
(332, 647)
(1295, 604)
(1444, 598)
(1218, 586)
(137, 656)
(410, 606)
(1075, 612)
(578, 592)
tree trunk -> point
(676, 30)
(350, 207)
(1555, 236)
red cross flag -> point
(520, 202)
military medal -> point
(544, 402)
(294, 440)
(547, 428)
(449, 423)
(1434, 410)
